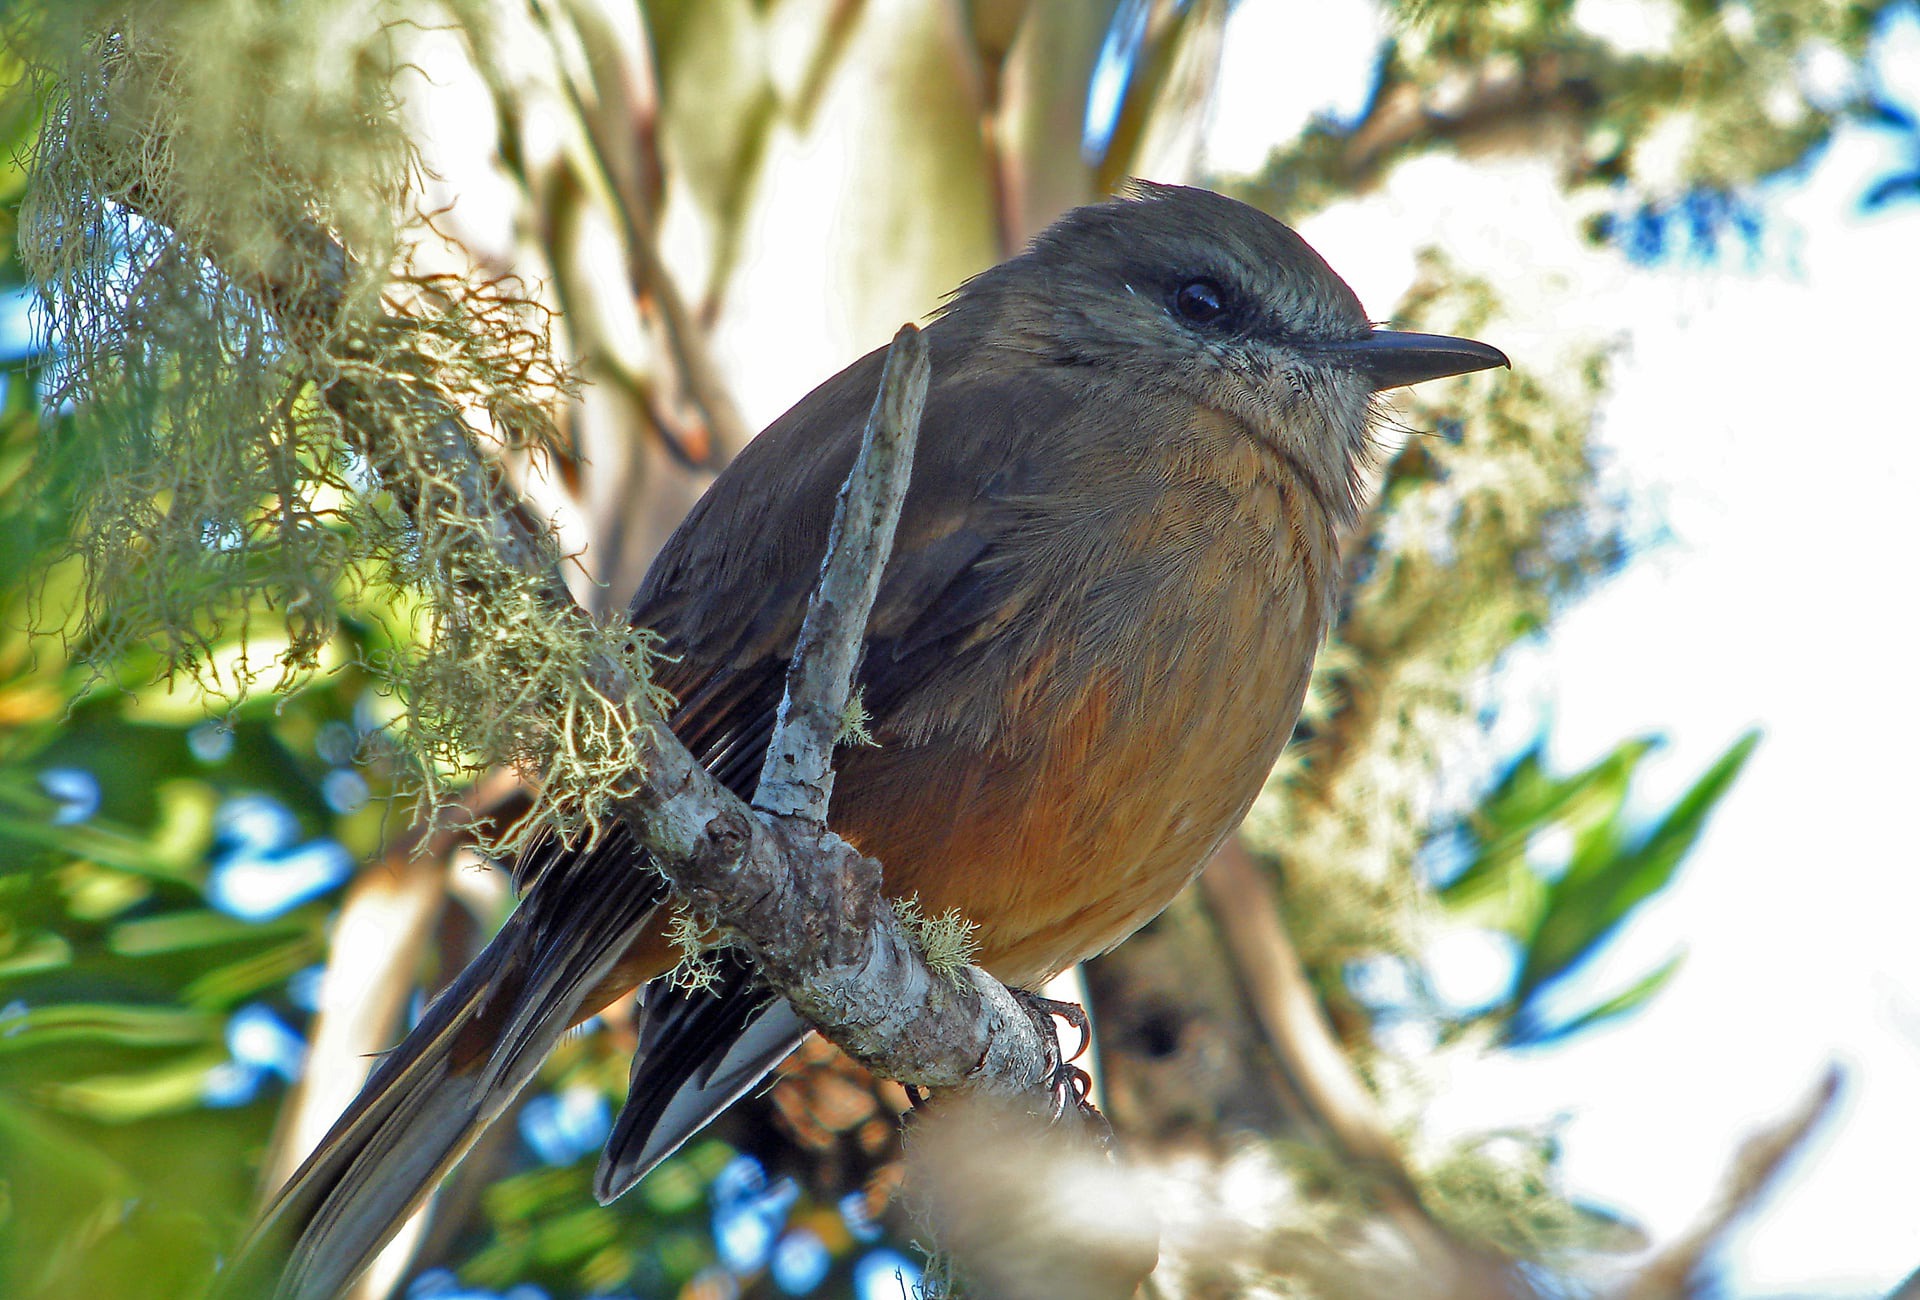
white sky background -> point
(1766, 417)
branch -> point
(388, 915)
(797, 779)
(699, 376)
(809, 908)
(1477, 103)
(1674, 1270)
(1491, 103)
(1247, 912)
(1277, 989)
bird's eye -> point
(1200, 302)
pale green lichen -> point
(698, 970)
(854, 722)
(262, 394)
(1477, 541)
(946, 941)
(1500, 1191)
(1475, 544)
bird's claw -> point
(1071, 1084)
(1045, 1010)
(1068, 1083)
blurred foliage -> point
(1696, 96)
(676, 181)
(242, 350)
(1478, 540)
(1562, 913)
(120, 981)
(1893, 111)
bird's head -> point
(1187, 289)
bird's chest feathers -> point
(1152, 694)
(1193, 593)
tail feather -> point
(477, 1047)
(481, 1042)
(700, 1051)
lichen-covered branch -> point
(809, 907)
(803, 900)
(404, 375)
(1720, 102)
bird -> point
(1144, 438)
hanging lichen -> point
(274, 413)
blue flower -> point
(74, 790)
(260, 868)
(259, 1044)
(745, 1229)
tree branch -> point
(1674, 1270)
(699, 376)
(809, 908)
(1247, 913)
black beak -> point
(1392, 359)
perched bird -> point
(1143, 440)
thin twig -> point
(797, 778)
(1674, 1270)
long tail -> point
(478, 1045)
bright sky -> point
(1761, 414)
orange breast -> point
(1131, 731)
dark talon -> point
(1072, 1012)
(1072, 1085)
(1069, 1084)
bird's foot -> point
(1070, 1085)
(1074, 1086)
(1044, 1011)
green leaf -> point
(1629, 999)
(226, 986)
(1609, 878)
(1499, 887)
(105, 1024)
(172, 848)
(196, 929)
(179, 1084)
(36, 954)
